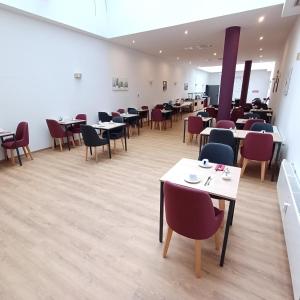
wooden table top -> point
(218, 186)
(262, 110)
(241, 134)
(184, 104)
(108, 125)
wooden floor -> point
(71, 229)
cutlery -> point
(210, 179)
(207, 180)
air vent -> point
(297, 3)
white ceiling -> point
(172, 40)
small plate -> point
(206, 166)
(226, 177)
(194, 179)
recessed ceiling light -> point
(261, 38)
(133, 41)
(190, 62)
(160, 51)
(261, 56)
(186, 32)
(261, 19)
(261, 49)
(215, 54)
(177, 57)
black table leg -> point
(91, 151)
(275, 168)
(161, 212)
(18, 152)
(108, 140)
(125, 138)
(229, 220)
(184, 129)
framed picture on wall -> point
(186, 86)
(165, 85)
(119, 84)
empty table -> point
(4, 134)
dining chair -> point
(91, 140)
(225, 124)
(58, 132)
(247, 107)
(195, 126)
(218, 153)
(236, 113)
(104, 116)
(21, 140)
(145, 107)
(213, 113)
(258, 147)
(250, 122)
(222, 136)
(190, 213)
(157, 119)
(144, 114)
(121, 110)
(134, 123)
(117, 133)
(267, 127)
(251, 115)
(115, 114)
(203, 114)
(76, 127)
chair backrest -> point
(203, 114)
(156, 115)
(258, 146)
(81, 117)
(190, 212)
(56, 131)
(250, 122)
(104, 116)
(144, 107)
(211, 111)
(236, 113)
(267, 127)
(247, 107)
(195, 124)
(159, 106)
(115, 114)
(226, 124)
(222, 136)
(22, 133)
(217, 153)
(121, 110)
(120, 129)
(132, 110)
(89, 135)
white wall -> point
(38, 60)
(259, 81)
(287, 107)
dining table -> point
(218, 188)
(8, 134)
(206, 120)
(129, 117)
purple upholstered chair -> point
(21, 140)
(257, 146)
(115, 114)
(225, 124)
(121, 111)
(213, 113)
(76, 128)
(236, 113)
(190, 213)
(195, 126)
(157, 118)
(250, 122)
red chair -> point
(250, 122)
(226, 124)
(257, 146)
(115, 114)
(145, 107)
(195, 126)
(159, 106)
(121, 111)
(21, 140)
(247, 107)
(190, 212)
(236, 113)
(76, 128)
(157, 118)
(58, 132)
(213, 113)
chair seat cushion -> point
(13, 144)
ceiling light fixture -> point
(177, 57)
(261, 56)
(186, 32)
(215, 54)
(261, 38)
(160, 51)
(261, 49)
(133, 41)
(261, 19)
(190, 62)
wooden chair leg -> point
(24, 150)
(114, 144)
(61, 141)
(263, 170)
(122, 144)
(222, 207)
(73, 141)
(86, 152)
(29, 152)
(96, 158)
(53, 144)
(217, 240)
(167, 242)
(198, 258)
(160, 125)
(241, 160)
(245, 162)
(12, 156)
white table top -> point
(262, 110)
(165, 111)
(142, 110)
(4, 133)
(226, 189)
(127, 115)
(70, 122)
(241, 134)
(204, 119)
(187, 103)
(108, 125)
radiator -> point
(288, 190)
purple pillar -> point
(245, 85)
(231, 46)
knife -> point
(208, 179)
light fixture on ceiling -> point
(188, 48)
(186, 32)
(261, 56)
(261, 49)
(177, 57)
(133, 41)
(261, 19)
(160, 51)
(190, 62)
(215, 53)
(261, 38)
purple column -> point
(245, 85)
(231, 46)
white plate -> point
(206, 166)
(226, 177)
(188, 179)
